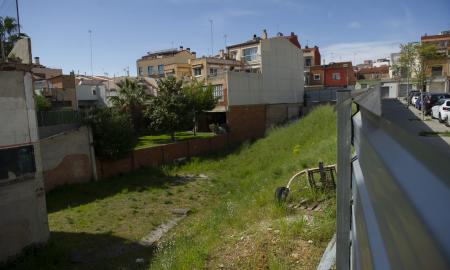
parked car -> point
(418, 103)
(430, 99)
(441, 110)
(412, 97)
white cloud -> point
(354, 25)
(357, 52)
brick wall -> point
(246, 122)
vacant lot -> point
(234, 223)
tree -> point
(406, 62)
(425, 54)
(169, 110)
(42, 103)
(131, 99)
(113, 133)
(8, 34)
(200, 98)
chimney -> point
(36, 61)
(292, 34)
(264, 34)
(188, 49)
(181, 48)
(279, 34)
(306, 47)
(254, 36)
(222, 54)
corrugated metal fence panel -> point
(401, 199)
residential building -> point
(312, 58)
(249, 52)
(210, 70)
(382, 62)
(91, 93)
(332, 75)
(59, 90)
(438, 70)
(170, 62)
(23, 214)
(266, 90)
(373, 73)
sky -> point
(125, 30)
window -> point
(249, 54)
(160, 69)
(16, 162)
(436, 71)
(94, 92)
(336, 76)
(197, 71)
(213, 71)
(150, 70)
(140, 71)
(317, 77)
(218, 91)
(308, 62)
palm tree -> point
(131, 99)
(8, 34)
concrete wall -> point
(66, 158)
(281, 80)
(23, 214)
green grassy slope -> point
(244, 184)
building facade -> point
(23, 214)
(438, 70)
(312, 58)
(158, 64)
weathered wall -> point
(23, 214)
(281, 80)
(276, 114)
(66, 158)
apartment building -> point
(438, 71)
(210, 70)
(373, 73)
(312, 58)
(333, 75)
(170, 62)
(263, 87)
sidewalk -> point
(410, 119)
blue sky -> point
(125, 30)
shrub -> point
(113, 132)
(42, 103)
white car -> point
(441, 110)
(414, 99)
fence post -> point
(343, 191)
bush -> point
(42, 103)
(113, 133)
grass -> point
(235, 222)
(154, 140)
(435, 133)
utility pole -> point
(18, 18)
(90, 43)
(212, 38)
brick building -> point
(312, 58)
(332, 75)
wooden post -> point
(343, 191)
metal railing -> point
(393, 195)
(51, 118)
